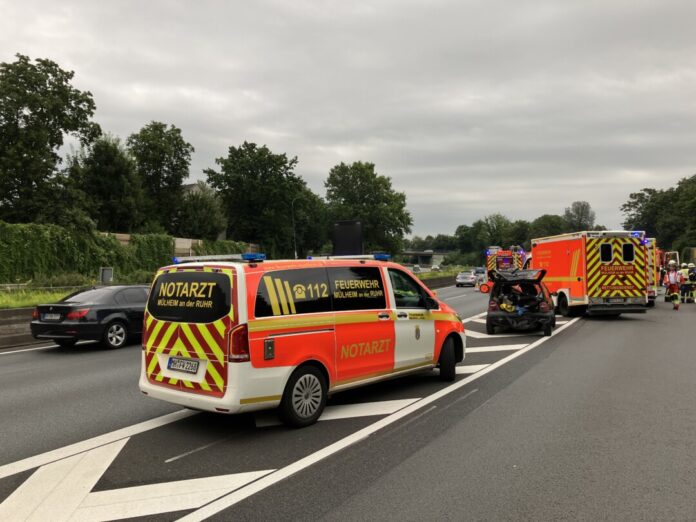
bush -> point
(69, 279)
(212, 248)
(139, 277)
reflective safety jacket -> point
(673, 278)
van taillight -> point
(239, 344)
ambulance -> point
(499, 259)
(598, 272)
(250, 334)
(653, 271)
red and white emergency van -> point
(653, 269)
(240, 336)
(499, 259)
(599, 272)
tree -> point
(579, 216)
(518, 234)
(258, 188)
(162, 157)
(200, 214)
(38, 107)
(356, 191)
(494, 230)
(547, 225)
(107, 173)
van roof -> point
(283, 263)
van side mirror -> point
(431, 304)
(484, 288)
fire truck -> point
(499, 259)
(598, 272)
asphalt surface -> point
(596, 422)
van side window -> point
(605, 252)
(357, 288)
(629, 253)
(407, 292)
(290, 292)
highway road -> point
(595, 422)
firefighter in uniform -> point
(673, 281)
(684, 287)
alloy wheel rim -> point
(116, 335)
(306, 395)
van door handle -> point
(402, 315)
(383, 316)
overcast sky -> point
(470, 107)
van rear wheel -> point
(304, 397)
(448, 361)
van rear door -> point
(616, 269)
(188, 319)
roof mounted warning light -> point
(248, 257)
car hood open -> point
(517, 276)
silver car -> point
(467, 278)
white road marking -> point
(456, 297)
(297, 466)
(496, 348)
(85, 445)
(343, 411)
(479, 335)
(196, 450)
(473, 368)
(482, 321)
(473, 317)
(56, 490)
(142, 501)
(28, 350)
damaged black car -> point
(519, 300)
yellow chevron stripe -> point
(219, 381)
(281, 296)
(291, 301)
(212, 344)
(268, 280)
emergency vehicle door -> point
(414, 326)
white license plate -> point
(51, 317)
(616, 300)
(183, 365)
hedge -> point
(29, 251)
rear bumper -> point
(66, 330)
(528, 320)
(616, 309)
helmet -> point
(691, 265)
(672, 262)
(683, 265)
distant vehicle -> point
(109, 314)
(519, 300)
(435, 268)
(480, 274)
(466, 278)
(416, 269)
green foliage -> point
(213, 248)
(107, 173)
(162, 158)
(67, 279)
(38, 107)
(547, 225)
(151, 251)
(357, 192)
(137, 277)
(30, 297)
(200, 215)
(666, 214)
(258, 188)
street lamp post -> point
(292, 212)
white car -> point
(466, 278)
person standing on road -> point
(673, 280)
(684, 285)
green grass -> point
(448, 272)
(29, 298)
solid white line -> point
(343, 411)
(482, 321)
(473, 368)
(85, 445)
(479, 335)
(473, 317)
(456, 297)
(496, 348)
(28, 350)
(283, 473)
(196, 450)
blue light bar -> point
(636, 233)
(175, 260)
(249, 256)
(382, 257)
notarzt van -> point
(240, 336)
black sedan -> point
(110, 314)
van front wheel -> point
(304, 397)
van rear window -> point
(190, 297)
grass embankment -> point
(449, 272)
(29, 298)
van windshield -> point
(190, 297)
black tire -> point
(115, 335)
(651, 303)
(490, 329)
(65, 343)
(448, 361)
(308, 387)
(563, 307)
(553, 321)
(548, 329)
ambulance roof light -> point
(636, 233)
(250, 256)
(381, 256)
